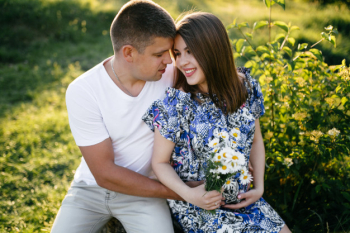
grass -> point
(44, 45)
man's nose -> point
(167, 59)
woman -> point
(209, 99)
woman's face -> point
(188, 65)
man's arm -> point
(100, 159)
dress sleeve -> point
(163, 114)
(256, 98)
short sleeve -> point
(163, 114)
(85, 118)
(255, 96)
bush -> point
(306, 127)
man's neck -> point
(122, 78)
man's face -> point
(151, 64)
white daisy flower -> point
(235, 132)
(233, 144)
(234, 167)
(224, 135)
(224, 168)
(218, 157)
(237, 158)
(244, 171)
(227, 152)
(245, 178)
(214, 143)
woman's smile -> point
(189, 72)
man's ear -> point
(128, 52)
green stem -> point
(317, 43)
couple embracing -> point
(144, 127)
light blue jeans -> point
(87, 208)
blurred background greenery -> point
(45, 44)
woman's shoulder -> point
(172, 94)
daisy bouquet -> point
(225, 161)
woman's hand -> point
(206, 200)
(248, 198)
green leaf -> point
(239, 45)
(297, 193)
(260, 24)
(288, 51)
(250, 64)
(333, 41)
(249, 35)
(269, 3)
(265, 56)
(280, 36)
(318, 188)
(275, 46)
(329, 28)
(234, 21)
(346, 195)
(249, 52)
(281, 3)
(317, 53)
(242, 25)
(291, 41)
(236, 55)
(294, 28)
(344, 100)
(326, 36)
(281, 25)
(262, 49)
(302, 46)
(337, 89)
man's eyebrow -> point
(163, 51)
(178, 50)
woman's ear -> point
(128, 52)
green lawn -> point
(45, 44)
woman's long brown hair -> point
(207, 39)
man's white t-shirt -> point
(98, 109)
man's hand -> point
(248, 198)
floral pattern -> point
(191, 126)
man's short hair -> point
(138, 22)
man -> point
(105, 106)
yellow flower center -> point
(228, 182)
(243, 172)
(224, 155)
(235, 134)
(234, 142)
(237, 128)
(245, 177)
(219, 157)
(235, 157)
(224, 167)
(215, 143)
(223, 136)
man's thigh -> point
(141, 214)
(83, 210)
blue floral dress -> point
(191, 125)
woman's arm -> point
(257, 159)
(162, 151)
